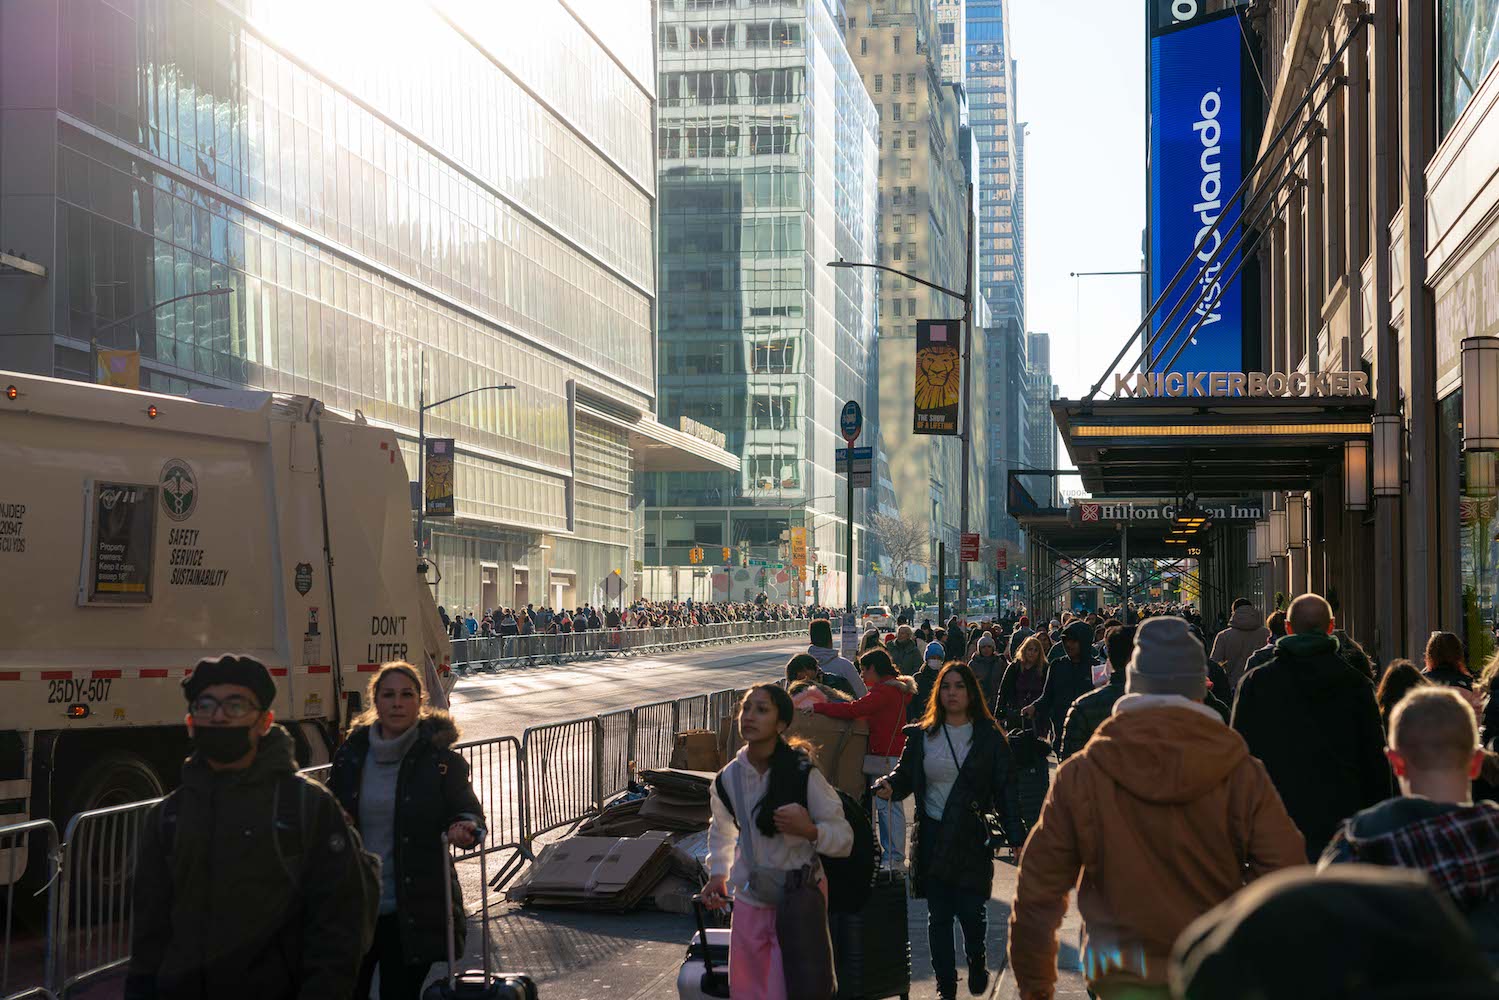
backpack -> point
(850, 879)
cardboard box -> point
(696, 750)
(838, 747)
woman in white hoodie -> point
(790, 815)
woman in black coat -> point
(958, 766)
(404, 786)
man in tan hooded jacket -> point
(1154, 822)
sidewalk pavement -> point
(580, 955)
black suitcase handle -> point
(713, 984)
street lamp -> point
(965, 436)
(94, 337)
(422, 406)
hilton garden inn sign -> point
(1149, 385)
(1163, 511)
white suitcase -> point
(705, 971)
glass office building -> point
(991, 88)
(767, 167)
(387, 188)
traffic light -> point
(696, 555)
(728, 554)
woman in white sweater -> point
(791, 815)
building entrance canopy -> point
(1209, 446)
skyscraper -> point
(767, 163)
(991, 89)
(923, 186)
(1041, 429)
(951, 34)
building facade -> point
(952, 34)
(767, 159)
(924, 225)
(1041, 429)
(417, 193)
(990, 84)
(1383, 259)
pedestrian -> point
(1094, 708)
(1023, 682)
(1355, 932)
(904, 651)
(773, 854)
(249, 882)
(871, 640)
(1276, 623)
(885, 709)
(1313, 720)
(1021, 633)
(956, 766)
(1246, 633)
(399, 778)
(1488, 718)
(1400, 679)
(1155, 821)
(828, 660)
(926, 679)
(988, 667)
(1068, 678)
(1434, 825)
(807, 684)
(1445, 665)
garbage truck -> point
(142, 532)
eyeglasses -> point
(235, 707)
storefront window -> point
(1469, 523)
(1469, 47)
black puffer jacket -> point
(433, 792)
(1312, 720)
(223, 913)
(956, 850)
(1089, 712)
(1067, 679)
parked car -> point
(878, 616)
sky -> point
(1082, 90)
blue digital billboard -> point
(1196, 165)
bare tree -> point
(904, 540)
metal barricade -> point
(94, 909)
(655, 733)
(497, 773)
(31, 962)
(692, 712)
(721, 705)
(562, 785)
(617, 749)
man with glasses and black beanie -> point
(249, 880)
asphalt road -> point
(636, 956)
(505, 702)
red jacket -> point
(885, 708)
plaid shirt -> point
(1459, 850)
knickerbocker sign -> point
(1150, 385)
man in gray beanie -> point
(1182, 808)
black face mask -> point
(222, 744)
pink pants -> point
(755, 955)
(755, 971)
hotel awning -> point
(1217, 446)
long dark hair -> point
(1444, 649)
(1400, 679)
(787, 762)
(978, 709)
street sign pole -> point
(851, 422)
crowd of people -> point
(471, 623)
(1266, 790)
(1263, 789)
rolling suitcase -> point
(705, 970)
(475, 984)
(872, 948)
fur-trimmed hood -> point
(437, 727)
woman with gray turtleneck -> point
(399, 752)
